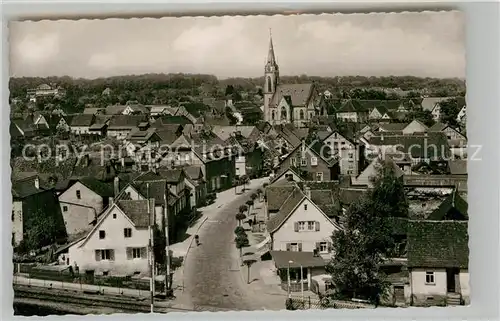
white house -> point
(82, 202)
(438, 258)
(80, 124)
(118, 244)
(301, 226)
(348, 151)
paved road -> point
(212, 276)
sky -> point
(427, 44)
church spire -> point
(270, 55)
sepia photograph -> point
(239, 163)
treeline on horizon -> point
(191, 83)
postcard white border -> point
(483, 101)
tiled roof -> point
(125, 121)
(428, 103)
(115, 109)
(436, 143)
(298, 94)
(101, 188)
(224, 132)
(286, 209)
(438, 244)
(276, 195)
(92, 110)
(348, 196)
(25, 188)
(351, 105)
(82, 120)
(437, 127)
(392, 127)
(137, 211)
(180, 120)
(458, 167)
(193, 172)
(454, 207)
(167, 133)
(326, 201)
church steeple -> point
(271, 60)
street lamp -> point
(289, 281)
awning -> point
(284, 259)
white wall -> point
(80, 129)
(115, 240)
(414, 127)
(465, 285)
(17, 223)
(286, 233)
(422, 291)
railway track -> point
(92, 300)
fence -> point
(321, 304)
(64, 276)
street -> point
(212, 276)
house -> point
(432, 104)
(289, 175)
(419, 146)
(158, 110)
(40, 121)
(20, 128)
(118, 244)
(33, 204)
(195, 181)
(82, 201)
(458, 167)
(415, 126)
(100, 125)
(300, 226)
(312, 162)
(64, 124)
(451, 133)
(349, 151)
(391, 127)
(120, 126)
(276, 195)
(366, 177)
(80, 124)
(438, 259)
(352, 111)
(462, 115)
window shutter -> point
(296, 226)
(97, 255)
(144, 252)
(318, 244)
(124, 232)
(288, 247)
(111, 255)
(129, 253)
(300, 247)
(317, 226)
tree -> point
(244, 180)
(229, 90)
(240, 217)
(249, 263)
(249, 203)
(425, 116)
(239, 230)
(43, 231)
(259, 193)
(366, 239)
(449, 111)
(253, 197)
(241, 241)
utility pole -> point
(167, 245)
(151, 253)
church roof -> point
(296, 94)
(271, 59)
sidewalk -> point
(207, 213)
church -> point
(293, 104)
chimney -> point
(116, 185)
(37, 183)
(123, 162)
(382, 137)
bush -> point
(239, 230)
(289, 304)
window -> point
(429, 278)
(302, 226)
(303, 162)
(273, 115)
(351, 155)
(136, 253)
(114, 215)
(102, 234)
(323, 247)
(13, 216)
(105, 273)
(301, 114)
(127, 232)
(294, 162)
(128, 194)
(283, 113)
(305, 207)
(310, 225)
(78, 194)
(314, 161)
(104, 255)
(294, 247)
(319, 176)
(65, 208)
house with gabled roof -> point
(452, 134)
(415, 126)
(20, 128)
(313, 162)
(82, 202)
(366, 177)
(348, 149)
(118, 244)
(121, 125)
(302, 232)
(80, 124)
(438, 259)
(196, 182)
(352, 111)
(291, 174)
